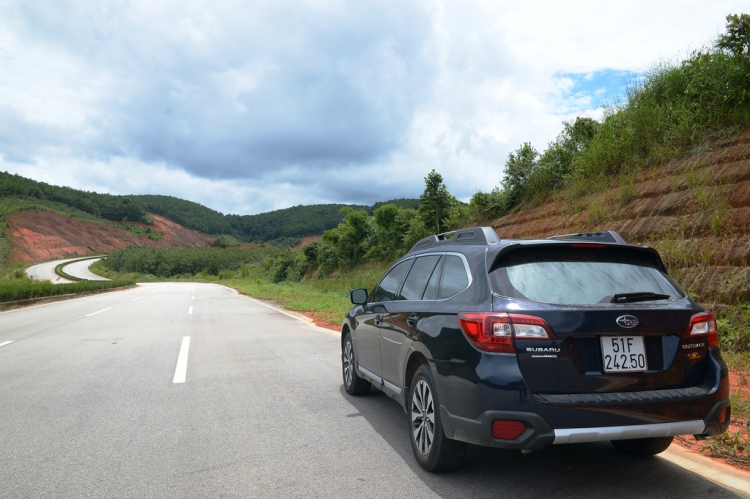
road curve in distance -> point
(81, 270)
(46, 271)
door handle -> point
(412, 320)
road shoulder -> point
(720, 473)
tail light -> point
(494, 331)
(704, 324)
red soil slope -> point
(37, 235)
(695, 211)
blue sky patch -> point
(604, 87)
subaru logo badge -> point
(627, 321)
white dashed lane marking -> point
(99, 312)
(190, 310)
(5, 343)
(181, 371)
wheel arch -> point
(415, 360)
(344, 331)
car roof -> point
(473, 240)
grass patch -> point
(24, 289)
(326, 298)
(734, 446)
(597, 211)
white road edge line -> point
(5, 343)
(181, 371)
(714, 475)
(134, 299)
(190, 310)
(306, 320)
(99, 312)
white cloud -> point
(251, 106)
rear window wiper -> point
(638, 296)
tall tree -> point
(517, 170)
(436, 202)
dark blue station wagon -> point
(521, 344)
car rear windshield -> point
(579, 275)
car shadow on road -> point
(581, 470)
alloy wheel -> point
(348, 363)
(422, 417)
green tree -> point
(435, 203)
(518, 168)
(737, 38)
(353, 234)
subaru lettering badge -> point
(627, 321)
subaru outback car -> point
(520, 344)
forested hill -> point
(296, 221)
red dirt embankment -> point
(37, 235)
(695, 211)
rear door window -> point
(386, 290)
(579, 275)
(419, 275)
(454, 278)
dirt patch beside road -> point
(37, 235)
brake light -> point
(495, 331)
(586, 245)
(704, 324)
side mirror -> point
(358, 296)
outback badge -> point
(627, 321)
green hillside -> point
(17, 192)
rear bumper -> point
(539, 433)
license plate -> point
(623, 354)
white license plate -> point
(623, 354)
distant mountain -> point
(296, 221)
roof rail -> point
(471, 235)
(609, 236)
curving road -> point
(191, 390)
(46, 271)
(81, 270)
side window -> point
(386, 290)
(430, 293)
(454, 279)
(418, 276)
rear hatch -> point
(620, 323)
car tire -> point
(433, 450)
(353, 384)
(642, 447)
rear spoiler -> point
(609, 236)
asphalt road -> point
(81, 270)
(89, 407)
(46, 271)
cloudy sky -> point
(249, 106)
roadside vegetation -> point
(16, 285)
(676, 109)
